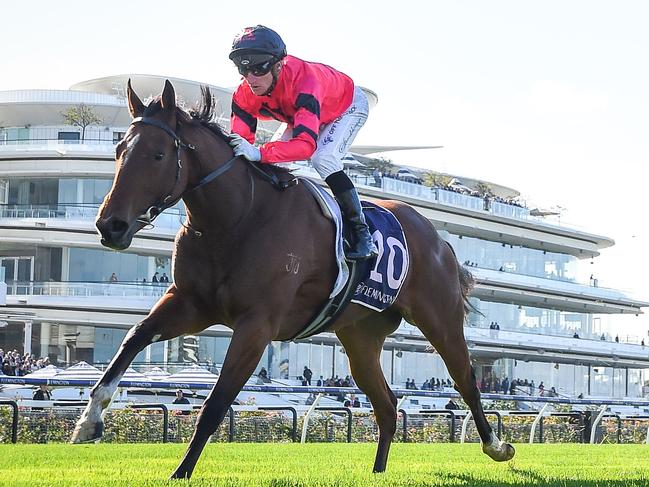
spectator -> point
(451, 404)
(617, 339)
(603, 337)
(181, 399)
(356, 403)
(155, 277)
(307, 374)
(113, 277)
(164, 277)
(42, 394)
(303, 381)
(504, 385)
(642, 343)
(320, 382)
(263, 375)
(576, 335)
(541, 389)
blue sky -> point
(550, 98)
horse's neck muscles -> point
(230, 202)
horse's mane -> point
(204, 112)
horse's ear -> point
(168, 97)
(135, 105)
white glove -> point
(242, 147)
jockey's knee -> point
(326, 164)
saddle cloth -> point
(382, 277)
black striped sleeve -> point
(308, 102)
(304, 129)
(245, 117)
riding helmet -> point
(256, 45)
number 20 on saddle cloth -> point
(382, 280)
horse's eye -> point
(159, 156)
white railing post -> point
(305, 424)
(537, 420)
(401, 401)
(465, 423)
(593, 426)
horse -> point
(233, 263)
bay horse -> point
(230, 266)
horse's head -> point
(148, 175)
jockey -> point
(321, 106)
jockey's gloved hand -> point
(243, 148)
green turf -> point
(331, 465)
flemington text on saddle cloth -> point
(387, 272)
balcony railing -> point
(171, 219)
(57, 142)
(437, 195)
(388, 185)
(87, 289)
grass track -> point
(321, 464)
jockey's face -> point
(259, 84)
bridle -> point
(168, 201)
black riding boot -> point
(363, 247)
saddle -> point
(374, 283)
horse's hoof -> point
(499, 450)
(87, 432)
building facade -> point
(71, 299)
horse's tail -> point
(467, 281)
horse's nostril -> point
(111, 227)
(117, 226)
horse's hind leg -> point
(363, 342)
(172, 316)
(447, 336)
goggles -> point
(257, 69)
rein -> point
(168, 201)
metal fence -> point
(51, 421)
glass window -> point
(69, 137)
(94, 190)
(98, 265)
(106, 343)
(4, 191)
(67, 191)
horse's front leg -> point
(246, 348)
(172, 316)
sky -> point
(549, 98)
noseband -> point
(168, 201)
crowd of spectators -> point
(13, 363)
(336, 382)
(432, 384)
(515, 386)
